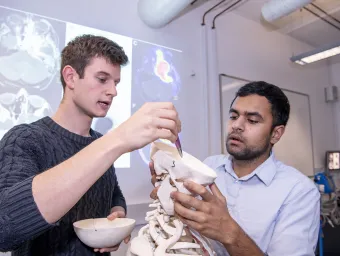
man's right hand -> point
(157, 120)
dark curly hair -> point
(80, 51)
(279, 102)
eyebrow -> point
(232, 110)
(253, 113)
(103, 73)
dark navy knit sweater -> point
(25, 151)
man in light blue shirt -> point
(258, 205)
(276, 205)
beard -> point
(245, 152)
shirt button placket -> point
(234, 192)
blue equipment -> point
(325, 183)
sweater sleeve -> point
(20, 218)
(118, 198)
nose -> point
(238, 124)
(112, 90)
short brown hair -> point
(80, 51)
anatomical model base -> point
(165, 234)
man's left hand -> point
(117, 212)
(210, 215)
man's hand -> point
(210, 217)
(116, 212)
(156, 120)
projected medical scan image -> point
(155, 75)
(18, 108)
(29, 66)
(155, 78)
(29, 53)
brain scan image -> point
(29, 51)
(155, 78)
(162, 68)
(29, 67)
(21, 108)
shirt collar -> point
(265, 172)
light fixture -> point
(317, 54)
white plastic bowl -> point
(103, 233)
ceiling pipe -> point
(203, 18)
(226, 9)
(157, 14)
(320, 17)
(275, 9)
(328, 15)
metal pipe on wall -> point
(203, 18)
(211, 85)
(214, 95)
(205, 82)
(226, 9)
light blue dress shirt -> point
(276, 205)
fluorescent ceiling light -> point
(317, 54)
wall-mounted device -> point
(333, 161)
(331, 93)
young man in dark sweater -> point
(58, 170)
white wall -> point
(334, 65)
(247, 50)
(334, 73)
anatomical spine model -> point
(165, 234)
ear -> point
(277, 133)
(69, 75)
